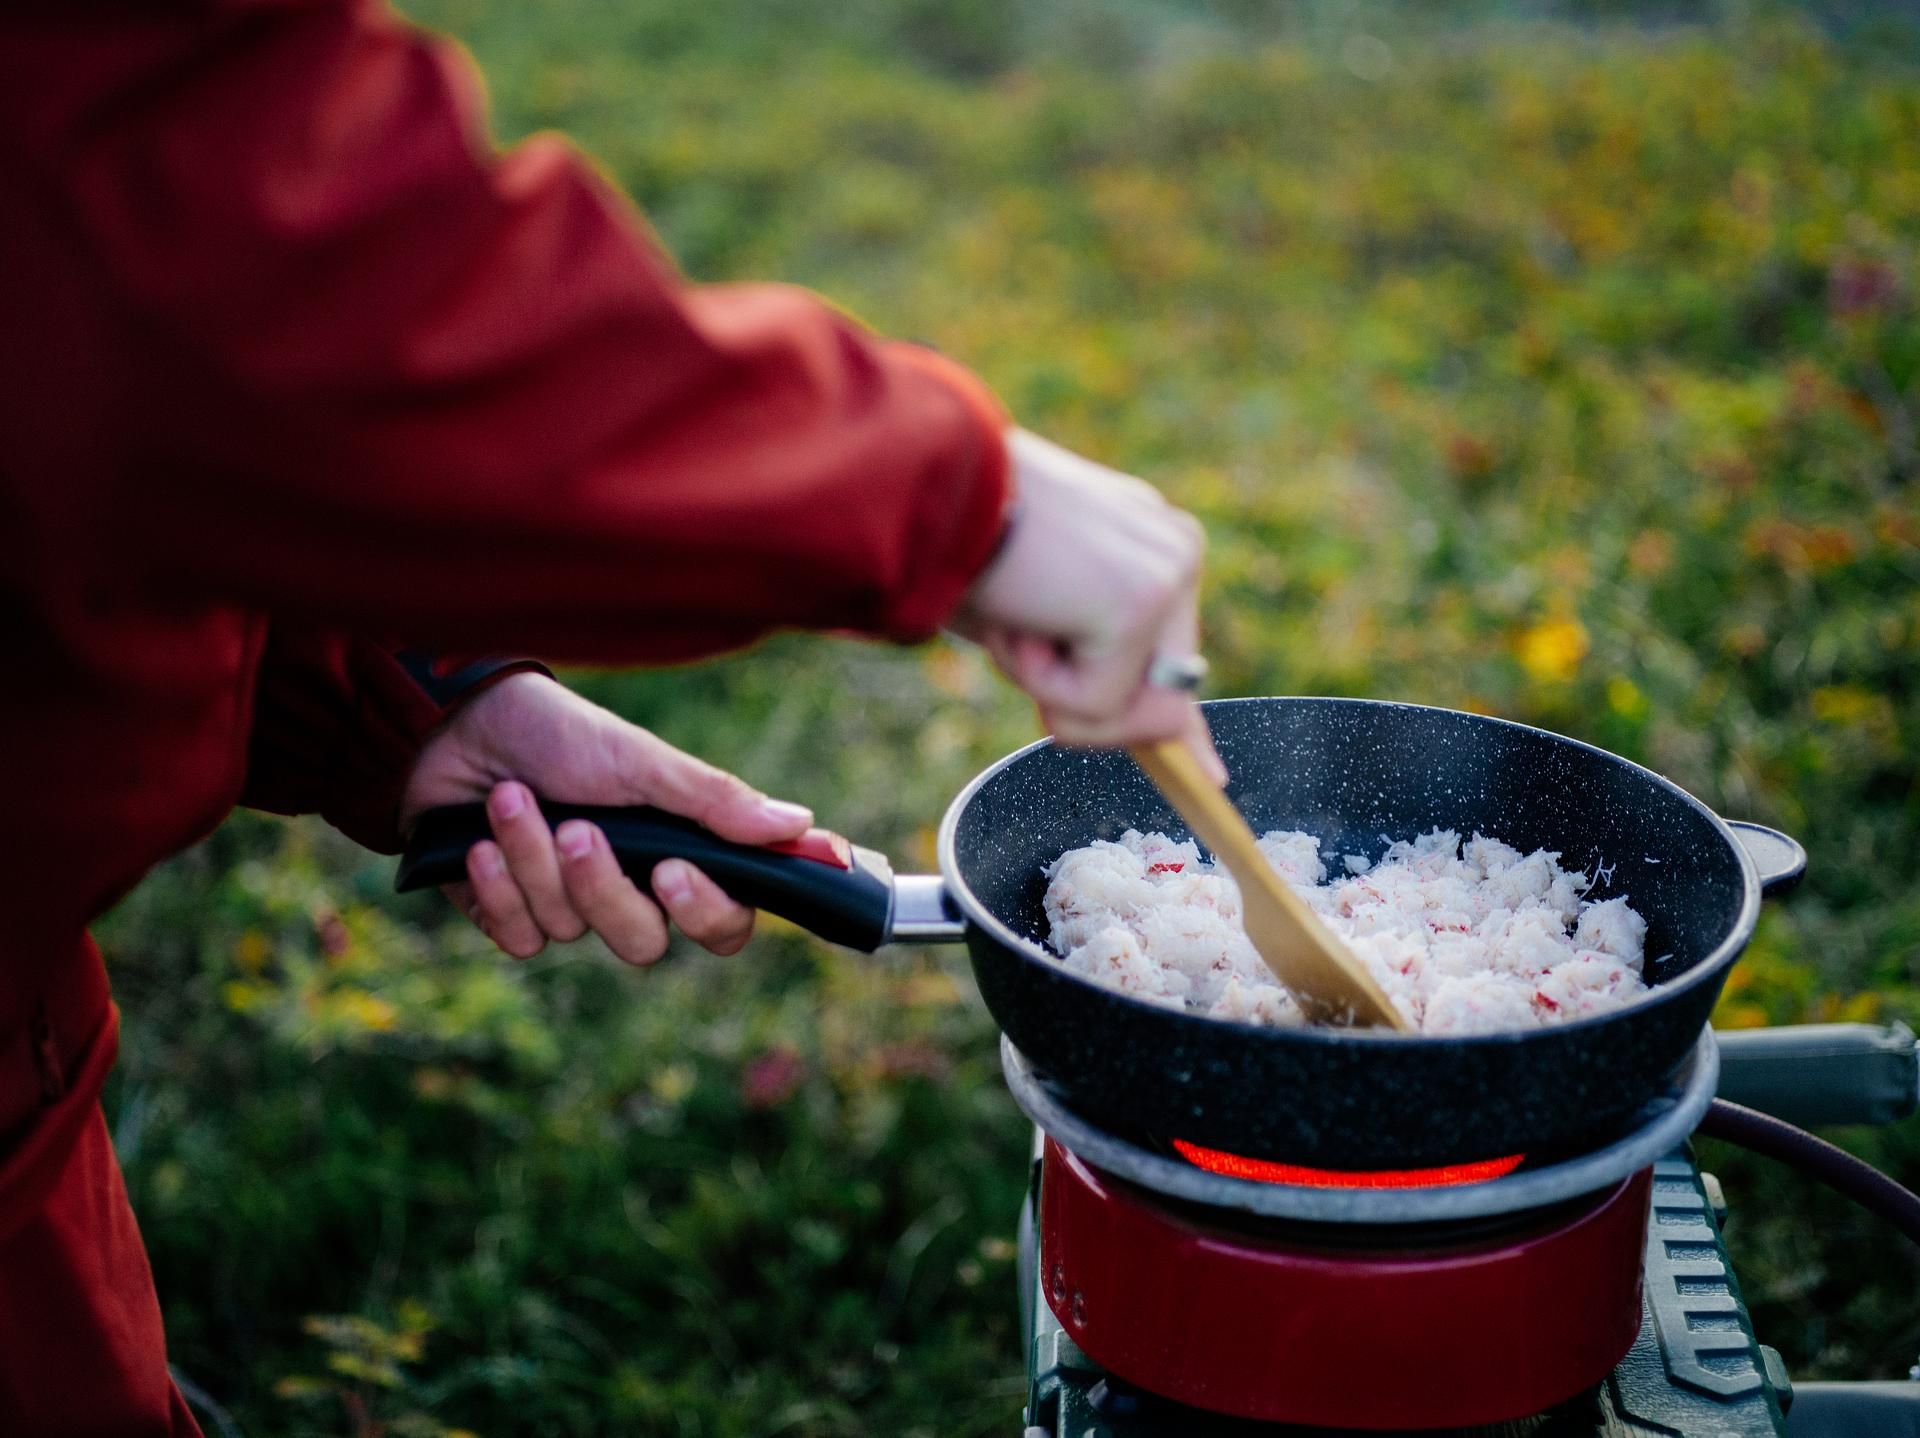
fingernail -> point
(670, 882)
(488, 860)
(786, 813)
(508, 801)
(575, 838)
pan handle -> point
(1779, 857)
(845, 894)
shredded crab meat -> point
(1464, 938)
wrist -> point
(1031, 478)
(451, 681)
(481, 718)
(958, 518)
(470, 713)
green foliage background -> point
(1567, 372)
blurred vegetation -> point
(1563, 372)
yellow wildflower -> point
(671, 1084)
(1551, 650)
(1625, 699)
(364, 1010)
(251, 951)
(241, 996)
(1846, 704)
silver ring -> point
(1184, 672)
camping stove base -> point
(1694, 1371)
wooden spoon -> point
(1326, 980)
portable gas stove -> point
(1167, 1289)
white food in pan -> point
(1468, 938)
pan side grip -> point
(829, 887)
(1778, 857)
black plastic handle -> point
(849, 904)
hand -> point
(1098, 576)
(528, 734)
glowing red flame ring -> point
(1260, 1170)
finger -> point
(460, 895)
(700, 910)
(1102, 673)
(1018, 654)
(1094, 674)
(1154, 712)
(725, 803)
(528, 844)
(1098, 680)
(1053, 674)
(1199, 739)
(1158, 714)
(626, 920)
(1094, 687)
(1181, 636)
(1154, 715)
(502, 912)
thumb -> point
(676, 781)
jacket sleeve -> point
(337, 722)
(371, 375)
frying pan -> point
(1357, 774)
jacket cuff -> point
(339, 720)
(447, 682)
(368, 810)
(963, 512)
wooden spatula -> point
(1327, 981)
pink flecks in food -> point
(1464, 938)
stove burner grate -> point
(1543, 1181)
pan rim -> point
(1707, 969)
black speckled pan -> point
(1358, 775)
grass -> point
(1562, 373)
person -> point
(303, 385)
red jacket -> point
(291, 357)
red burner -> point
(1274, 1327)
(1260, 1170)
